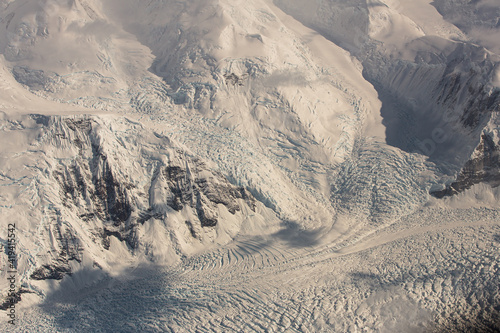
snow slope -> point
(251, 165)
(439, 90)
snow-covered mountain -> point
(255, 145)
(439, 89)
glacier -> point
(215, 166)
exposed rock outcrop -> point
(483, 167)
(112, 185)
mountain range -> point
(254, 165)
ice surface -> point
(251, 165)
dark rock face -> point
(179, 186)
(14, 300)
(206, 214)
(108, 194)
(92, 180)
(483, 104)
(203, 194)
(484, 168)
(124, 234)
(234, 79)
(95, 185)
(69, 249)
(224, 193)
(87, 185)
(54, 271)
(462, 86)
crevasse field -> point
(250, 166)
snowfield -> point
(268, 166)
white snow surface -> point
(330, 114)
